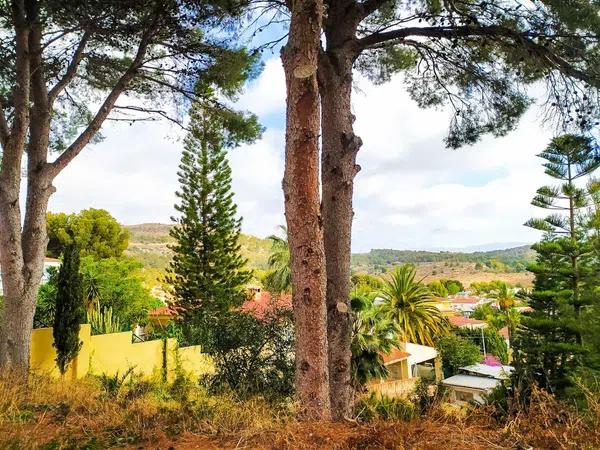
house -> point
(48, 263)
(474, 382)
(445, 306)
(467, 322)
(465, 304)
(406, 365)
(263, 302)
(160, 317)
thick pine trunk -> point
(22, 261)
(302, 208)
(338, 169)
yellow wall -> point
(112, 353)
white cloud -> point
(411, 192)
(266, 95)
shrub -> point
(457, 351)
(253, 356)
(376, 406)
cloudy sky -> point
(412, 193)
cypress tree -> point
(549, 345)
(207, 273)
(69, 309)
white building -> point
(474, 382)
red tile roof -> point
(460, 321)
(503, 332)
(465, 300)
(162, 311)
(395, 355)
(267, 303)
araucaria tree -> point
(550, 341)
(69, 311)
(125, 60)
(476, 56)
(207, 274)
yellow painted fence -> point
(112, 353)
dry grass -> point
(467, 274)
(50, 414)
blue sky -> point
(412, 193)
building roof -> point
(503, 332)
(466, 322)
(471, 382)
(266, 303)
(420, 353)
(464, 300)
(495, 372)
(394, 356)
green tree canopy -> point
(457, 351)
(117, 284)
(94, 231)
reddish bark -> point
(302, 207)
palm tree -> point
(410, 305)
(506, 301)
(279, 279)
(505, 297)
(373, 334)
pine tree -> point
(70, 312)
(550, 345)
(207, 273)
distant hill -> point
(380, 259)
(149, 243)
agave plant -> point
(410, 304)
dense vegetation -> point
(378, 260)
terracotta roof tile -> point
(460, 321)
(395, 355)
(267, 303)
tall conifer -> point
(70, 311)
(207, 273)
(550, 344)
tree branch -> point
(94, 126)
(524, 39)
(71, 69)
(13, 151)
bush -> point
(457, 351)
(376, 406)
(252, 356)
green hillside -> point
(149, 242)
(378, 260)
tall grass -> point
(62, 414)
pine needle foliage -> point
(207, 274)
(550, 347)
